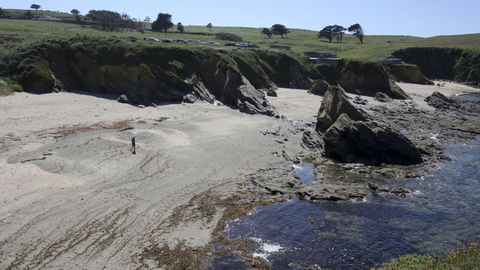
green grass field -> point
(375, 47)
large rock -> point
(272, 93)
(319, 88)
(369, 143)
(336, 102)
(440, 101)
(408, 73)
(382, 97)
(368, 78)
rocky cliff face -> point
(444, 63)
(408, 73)
(368, 78)
(147, 75)
(350, 135)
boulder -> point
(271, 93)
(382, 97)
(367, 78)
(319, 87)
(440, 101)
(189, 98)
(369, 143)
(408, 73)
(336, 102)
(123, 99)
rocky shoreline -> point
(336, 181)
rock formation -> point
(336, 102)
(440, 101)
(444, 63)
(382, 97)
(368, 143)
(319, 87)
(408, 73)
(368, 78)
(351, 136)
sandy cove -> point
(74, 197)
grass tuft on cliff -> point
(464, 258)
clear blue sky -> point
(399, 17)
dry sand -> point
(73, 197)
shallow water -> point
(306, 172)
(443, 212)
(472, 97)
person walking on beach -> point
(133, 149)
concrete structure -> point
(391, 61)
(323, 58)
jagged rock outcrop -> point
(335, 103)
(352, 136)
(319, 87)
(368, 143)
(408, 73)
(368, 78)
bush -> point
(465, 257)
(229, 37)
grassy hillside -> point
(19, 14)
(375, 47)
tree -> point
(108, 20)
(1, 12)
(147, 19)
(75, 12)
(326, 32)
(338, 31)
(180, 28)
(35, 6)
(163, 22)
(78, 20)
(280, 29)
(210, 26)
(267, 32)
(357, 31)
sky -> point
(378, 17)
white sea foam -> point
(434, 137)
(266, 249)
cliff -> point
(155, 74)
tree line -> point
(113, 21)
(331, 32)
(336, 32)
(276, 29)
(164, 22)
